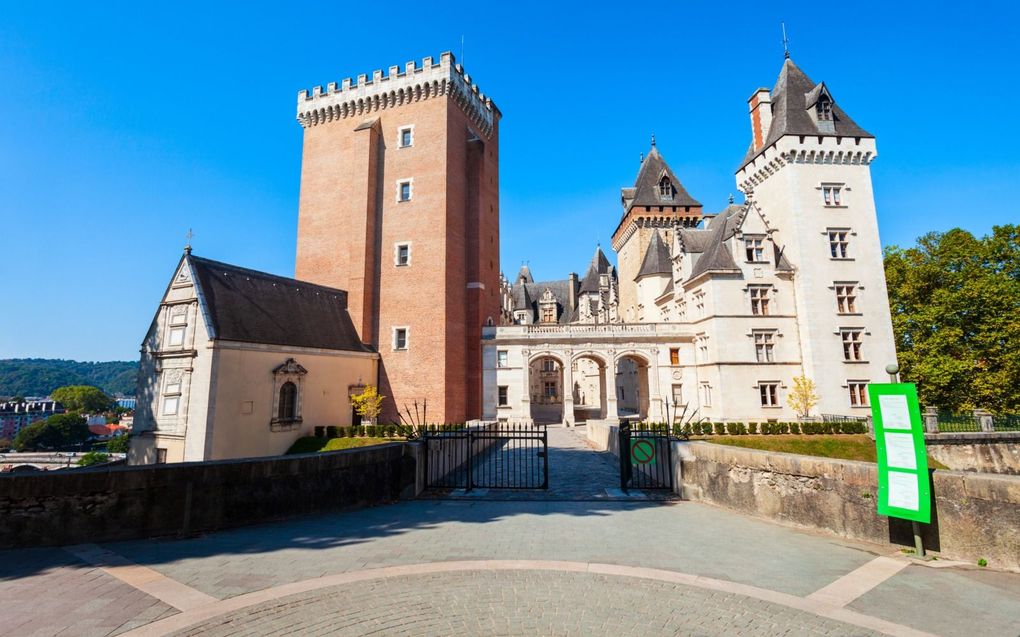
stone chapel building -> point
(714, 314)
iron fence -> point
(494, 456)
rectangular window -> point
(674, 356)
(160, 455)
(400, 338)
(846, 298)
(403, 254)
(501, 358)
(503, 399)
(404, 190)
(548, 313)
(549, 389)
(851, 344)
(699, 304)
(682, 310)
(406, 137)
(179, 319)
(858, 393)
(176, 336)
(764, 343)
(832, 194)
(759, 300)
(702, 343)
(706, 395)
(548, 365)
(678, 395)
(172, 389)
(170, 405)
(838, 243)
(754, 249)
(769, 394)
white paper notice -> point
(903, 491)
(899, 451)
(895, 414)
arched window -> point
(665, 188)
(288, 402)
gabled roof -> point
(646, 187)
(792, 96)
(657, 260)
(257, 307)
(599, 265)
(527, 295)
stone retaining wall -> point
(105, 504)
(975, 515)
(988, 452)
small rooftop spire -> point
(188, 237)
(786, 42)
(731, 198)
(653, 140)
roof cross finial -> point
(188, 237)
(653, 140)
(731, 198)
(641, 158)
(786, 41)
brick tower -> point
(400, 207)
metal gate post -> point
(470, 453)
(624, 455)
(545, 457)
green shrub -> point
(736, 428)
(320, 431)
(91, 458)
(752, 427)
(331, 431)
(795, 428)
(118, 444)
(719, 428)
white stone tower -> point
(808, 171)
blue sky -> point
(122, 125)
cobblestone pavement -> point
(519, 603)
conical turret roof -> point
(657, 260)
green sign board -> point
(902, 459)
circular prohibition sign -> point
(642, 451)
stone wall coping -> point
(968, 437)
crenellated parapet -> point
(365, 95)
(805, 150)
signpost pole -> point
(893, 370)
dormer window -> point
(823, 109)
(665, 188)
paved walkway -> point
(441, 567)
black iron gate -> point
(646, 457)
(493, 456)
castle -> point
(397, 284)
(715, 314)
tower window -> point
(759, 300)
(403, 254)
(400, 338)
(674, 356)
(764, 344)
(838, 243)
(823, 108)
(405, 137)
(754, 247)
(852, 345)
(665, 188)
(706, 395)
(832, 194)
(846, 298)
(858, 393)
(404, 190)
(503, 399)
(501, 358)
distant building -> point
(239, 363)
(16, 416)
(126, 403)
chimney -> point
(760, 105)
(572, 291)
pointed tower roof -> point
(656, 259)
(524, 273)
(793, 99)
(599, 265)
(646, 187)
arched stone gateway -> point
(575, 373)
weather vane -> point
(786, 41)
(189, 236)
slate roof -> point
(792, 96)
(646, 187)
(527, 295)
(525, 273)
(257, 307)
(599, 265)
(656, 259)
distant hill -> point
(40, 376)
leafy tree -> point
(118, 444)
(368, 403)
(59, 430)
(91, 458)
(955, 302)
(40, 376)
(82, 398)
(5, 444)
(803, 397)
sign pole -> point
(893, 370)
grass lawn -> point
(843, 446)
(311, 444)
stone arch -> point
(546, 387)
(589, 388)
(631, 382)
